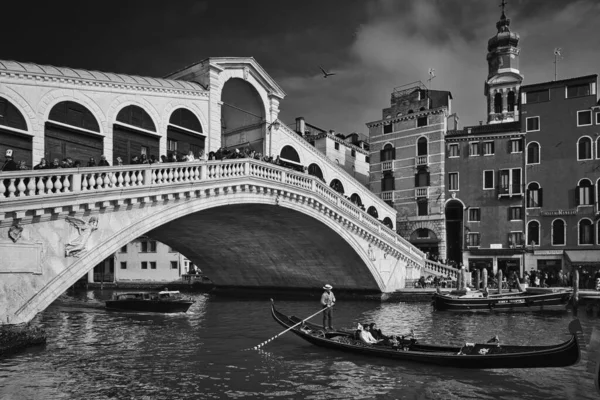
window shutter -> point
(540, 197)
(381, 155)
(394, 153)
(509, 209)
(416, 180)
(458, 149)
(383, 184)
(592, 194)
(428, 177)
(577, 195)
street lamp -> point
(273, 125)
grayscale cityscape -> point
(300, 200)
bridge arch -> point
(337, 185)
(14, 132)
(185, 130)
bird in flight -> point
(325, 73)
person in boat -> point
(365, 336)
(376, 332)
(327, 301)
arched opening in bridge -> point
(337, 186)
(426, 240)
(134, 136)
(184, 134)
(13, 133)
(372, 211)
(72, 132)
(289, 158)
(355, 198)
(454, 230)
(315, 170)
(387, 221)
(242, 116)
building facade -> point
(407, 154)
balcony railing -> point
(387, 166)
(387, 196)
(421, 160)
(510, 190)
(422, 192)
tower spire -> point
(503, 5)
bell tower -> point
(504, 78)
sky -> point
(371, 45)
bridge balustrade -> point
(56, 183)
(440, 269)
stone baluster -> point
(12, 188)
(21, 188)
(84, 182)
(92, 182)
(40, 185)
(107, 180)
(176, 175)
(170, 175)
(154, 177)
(66, 184)
(134, 178)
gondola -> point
(162, 302)
(515, 301)
(478, 356)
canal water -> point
(93, 353)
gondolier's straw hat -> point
(328, 287)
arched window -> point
(510, 100)
(387, 182)
(184, 134)
(355, 198)
(18, 141)
(533, 153)
(136, 116)
(388, 222)
(422, 177)
(337, 186)
(422, 109)
(388, 153)
(10, 116)
(422, 147)
(584, 148)
(184, 118)
(534, 195)
(533, 233)
(372, 211)
(586, 231)
(558, 232)
(289, 153)
(315, 170)
(74, 114)
(584, 193)
(498, 103)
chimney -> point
(300, 125)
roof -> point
(72, 73)
(504, 127)
(559, 82)
(583, 256)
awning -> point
(583, 256)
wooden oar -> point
(288, 329)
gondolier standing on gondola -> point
(327, 301)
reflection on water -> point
(93, 353)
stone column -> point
(504, 101)
(91, 276)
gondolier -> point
(327, 301)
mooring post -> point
(478, 279)
(485, 273)
(499, 281)
(575, 298)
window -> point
(336, 145)
(515, 239)
(584, 148)
(388, 153)
(558, 232)
(144, 150)
(488, 180)
(353, 153)
(422, 178)
(388, 128)
(474, 149)
(586, 232)
(172, 145)
(367, 159)
(473, 239)
(123, 249)
(578, 90)
(488, 148)
(510, 181)
(387, 183)
(422, 207)
(584, 193)
(152, 264)
(534, 195)
(537, 96)
(422, 121)
(511, 101)
(148, 246)
(584, 118)
(533, 233)
(453, 150)
(515, 213)
(533, 124)
(123, 264)
(144, 264)
(474, 215)
(453, 181)
(598, 118)
(533, 153)
(498, 103)
(516, 146)
(174, 265)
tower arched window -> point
(534, 195)
(511, 101)
(584, 193)
(533, 153)
(584, 148)
(388, 153)
(533, 233)
(558, 232)
(422, 147)
(498, 103)
(586, 231)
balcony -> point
(422, 160)
(422, 192)
(387, 196)
(387, 166)
(510, 190)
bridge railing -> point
(440, 269)
(50, 183)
